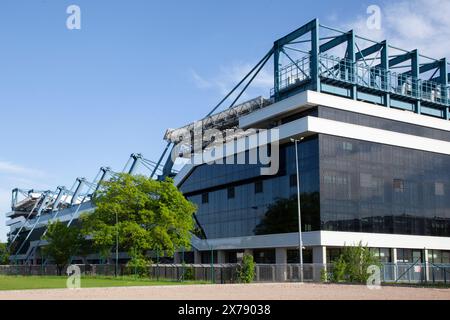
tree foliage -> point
(63, 243)
(246, 272)
(4, 254)
(353, 263)
(282, 216)
(151, 215)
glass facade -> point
(346, 185)
(369, 187)
(244, 203)
(439, 256)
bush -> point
(4, 254)
(339, 270)
(324, 275)
(138, 266)
(353, 263)
(246, 272)
(188, 273)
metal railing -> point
(410, 273)
(415, 273)
(361, 74)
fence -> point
(228, 273)
(415, 273)
(222, 273)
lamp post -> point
(300, 241)
(117, 244)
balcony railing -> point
(374, 78)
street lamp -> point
(300, 241)
(117, 244)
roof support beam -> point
(298, 33)
(334, 43)
(313, 28)
(415, 73)
(426, 67)
(370, 50)
(385, 66)
(444, 80)
(351, 51)
(400, 59)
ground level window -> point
(333, 254)
(383, 254)
(293, 256)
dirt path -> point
(277, 291)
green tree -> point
(63, 243)
(353, 263)
(151, 215)
(282, 216)
(246, 272)
(4, 254)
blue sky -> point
(74, 100)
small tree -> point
(353, 263)
(63, 243)
(246, 272)
(4, 254)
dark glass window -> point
(293, 256)
(439, 189)
(264, 256)
(383, 254)
(205, 197)
(231, 193)
(379, 188)
(259, 187)
(333, 254)
(293, 180)
(404, 255)
(399, 185)
(206, 257)
(272, 211)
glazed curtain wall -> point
(236, 201)
(369, 187)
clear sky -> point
(74, 100)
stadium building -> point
(373, 132)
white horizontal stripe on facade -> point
(357, 132)
(308, 99)
(325, 238)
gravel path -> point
(276, 291)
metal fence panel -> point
(228, 273)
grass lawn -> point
(54, 282)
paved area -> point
(276, 291)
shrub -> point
(138, 266)
(339, 270)
(246, 272)
(188, 273)
(324, 275)
(353, 263)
